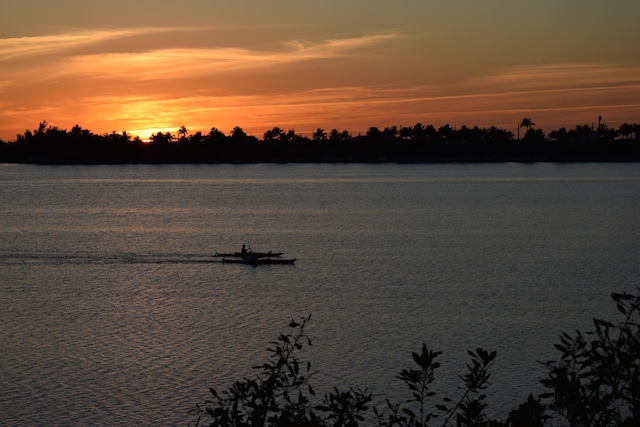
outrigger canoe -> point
(248, 254)
(258, 261)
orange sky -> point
(349, 64)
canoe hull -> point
(258, 261)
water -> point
(114, 312)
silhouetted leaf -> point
(409, 412)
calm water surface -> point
(114, 312)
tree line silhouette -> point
(412, 144)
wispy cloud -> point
(560, 76)
(21, 47)
(336, 47)
(62, 57)
(188, 62)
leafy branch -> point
(596, 382)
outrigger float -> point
(258, 261)
(247, 256)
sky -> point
(144, 66)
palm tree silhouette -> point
(525, 123)
(183, 132)
(319, 135)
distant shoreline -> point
(362, 151)
(417, 144)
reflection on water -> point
(115, 312)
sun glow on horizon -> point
(145, 134)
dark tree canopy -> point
(404, 144)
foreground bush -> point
(596, 382)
